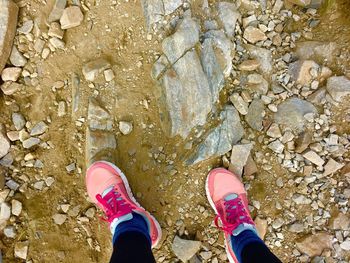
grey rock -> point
(185, 249)
(9, 232)
(4, 142)
(8, 22)
(5, 212)
(171, 5)
(221, 139)
(296, 228)
(239, 157)
(159, 67)
(338, 87)
(263, 55)
(59, 219)
(95, 67)
(184, 39)
(300, 71)
(274, 131)
(318, 97)
(39, 185)
(239, 103)
(39, 129)
(16, 58)
(57, 43)
(300, 199)
(316, 3)
(18, 120)
(228, 16)
(71, 167)
(257, 83)
(27, 27)
(276, 146)
(153, 11)
(21, 250)
(29, 143)
(186, 96)
(322, 52)
(125, 127)
(255, 115)
(7, 160)
(291, 113)
(98, 117)
(57, 10)
(303, 141)
(13, 185)
(345, 245)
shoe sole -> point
(130, 194)
(211, 202)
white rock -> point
(239, 157)
(21, 250)
(314, 158)
(10, 232)
(59, 219)
(345, 245)
(4, 143)
(11, 74)
(253, 34)
(239, 104)
(29, 143)
(5, 212)
(185, 249)
(274, 131)
(93, 68)
(125, 127)
(16, 207)
(276, 146)
(71, 17)
(331, 167)
(109, 75)
(16, 58)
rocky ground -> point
(168, 90)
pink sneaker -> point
(109, 189)
(227, 196)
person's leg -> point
(228, 197)
(133, 228)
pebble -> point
(5, 212)
(18, 120)
(59, 219)
(345, 245)
(29, 143)
(11, 74)
(39, 129)
(71, 17)
(109, 75)
(276, 146)
(93, 68)
(274, 131)
(16, 207)
(39, 185)
(27, 27)
(249, 65)
(314, 158)
(4, 143)
(125, 127)
(55, 31)
(9, 232)
(71, 167)
(49, 181)
(21, 250)
(16, 58)
(253, 34)
(185, 249)
(239, 103)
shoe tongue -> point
(230, 197)
(106, 191)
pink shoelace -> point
(113, 205)
(236, 215)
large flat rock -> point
(8, 25)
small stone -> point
(296, 228)
(57, 10)
(10, 88)
(11, 74)
(55, 31)
(13, 135)
(302, 3)
(59, 219)
(228, 15)
(255, 114)
(93, 68)
(16, 58)
(301, 71)
(331, 167)
(185, 249)
(5, 212)
(61, 111)
(125, 127)
(261, 226)
(49, 181)
(90, 213)
(278, 223)
(4, 142)
(250, 167)
(338, 87)
(253, 34)
(57, 43)
(249, 65)
(71, 167)
(276, 146)
(314, 158)
(39, 185)
(300, 199)
(239, 104)
(29, 143)
(71, 17)
(274, 131)
(10, 232)
(303, 141)
(239, 157)
(27, 27)
(39, 129)
(314, 244)
(16, 207)
(18, 120)
(345, 245)
(109, 75)
(21, 250)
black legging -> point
(133, 247)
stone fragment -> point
(59, 219)
(11, 74)
(277, 6)
(303, 141)
(239, 157)
(253, 34)
(71, 17)
(291, 113)
(340, 222)
(314, 244)
(300, 199)
(57, 10)
(185, 38)
(39, 185)
(249, 65)
(95, 67)
(5, 212)
(27, 27)
(314, 158)
(331, 167)
(55, 30)
(296, 228)
(21, 250)
(8, 22)
(61, 111)
(16, 58)
(4, 142)
(302, 3)
(274, 131)
(250, 167)
(185, 249)
(171, 5)
(228, 16)
(345, 245)
(300, 71)
(221, 139)
(30, 142)
(321, 52)
(16, 207)
(39, 129)
(239, 103)
(318, 97)
(98, 117)
(338, 87)
(57, 43)
(125, 127)
(109, 75)
(261, 226)
(9, 88)
(9, 232)
(276, 146)
(153, 12)
(262, 55)
(257, 83)
(255, 115)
